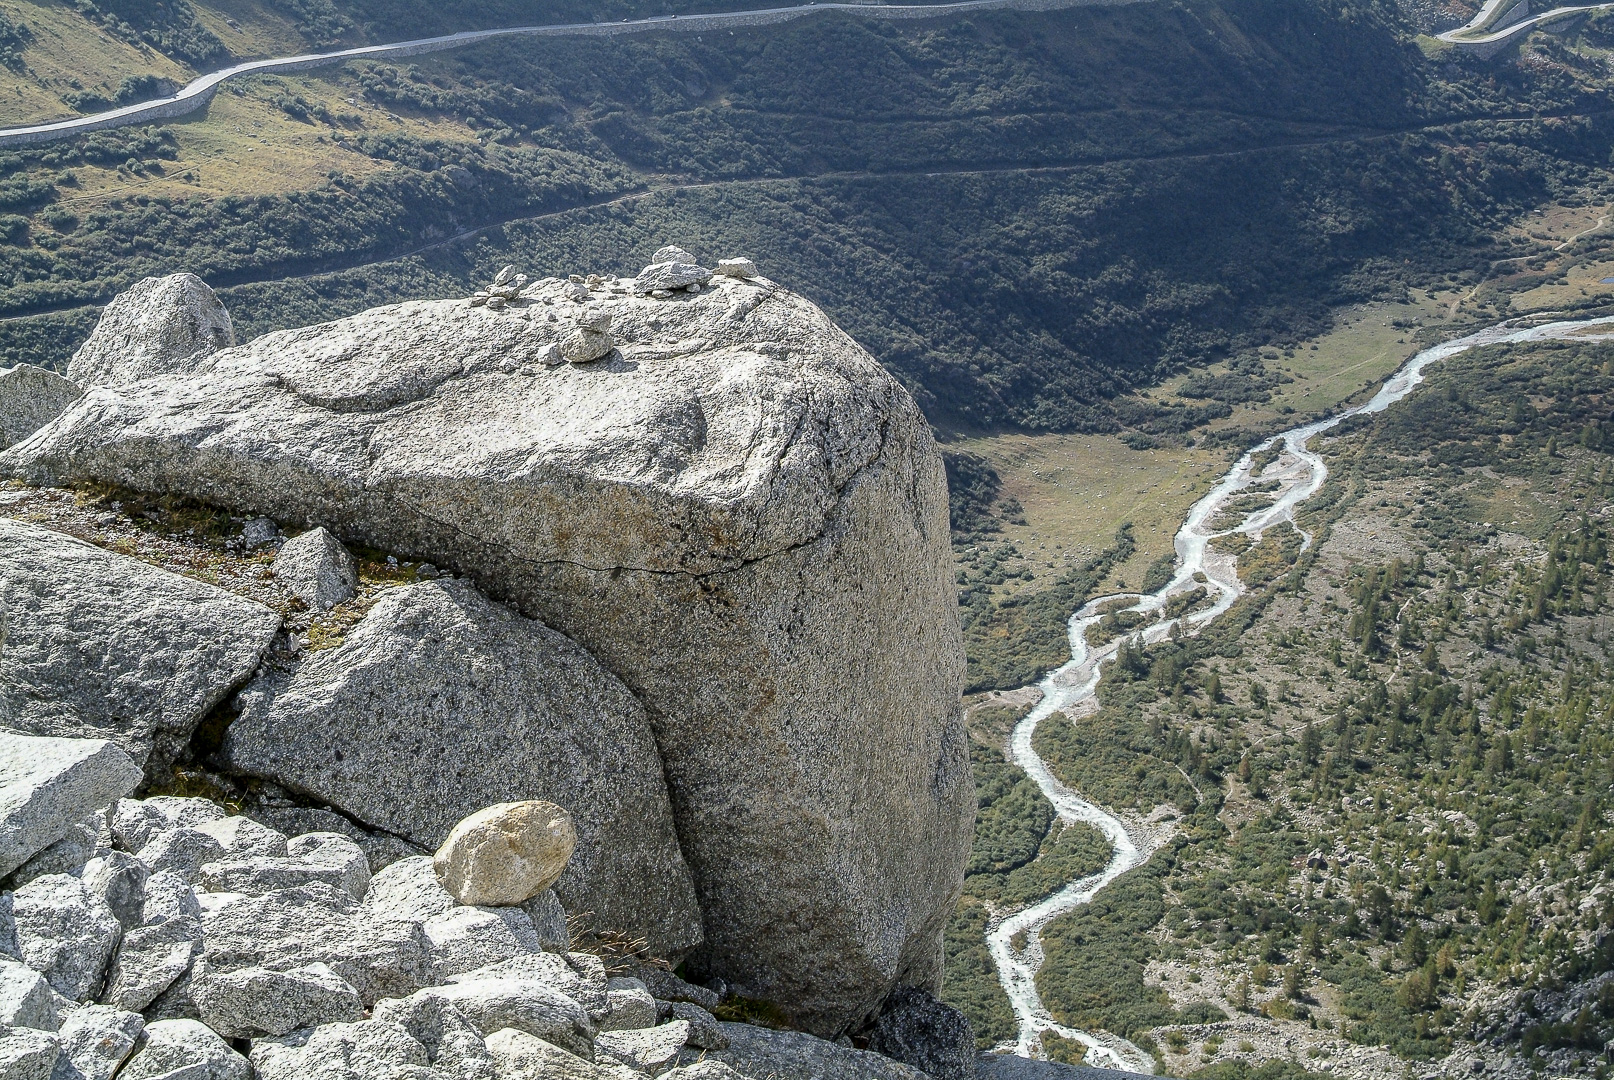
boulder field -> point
(698, 592)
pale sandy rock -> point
(316, 567)
(100, 645)
(136, 821)
(454, 1047)
(26, 1054)
(652, 1050)
(737, 268)
(171, 1045)
(150, 959)
(160, 326)
(30, 398)
(506, 853)
(740, 515)
(96, 1040)
(67, 933)
(27, 1000)
(255, 1003)
(48, 784)
(369, 1050)
(469, 938)
(506, 708)
(318, 924)
(584, 346)
(763, 1052)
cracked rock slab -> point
(100, 645)
(738, 513)
(49, 784)
(505, 709)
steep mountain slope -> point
(1021, 214)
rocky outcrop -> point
(161, 326)
(103, 645)
(30, 398)
(736, 511)
(502, 708)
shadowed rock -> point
(30, 398)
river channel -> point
(1299, 472)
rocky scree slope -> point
(734, 516)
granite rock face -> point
(160, 326)
(30, 398)
(47, 785)
(99, 645)
(504, 708)
(920, 1031)
(738, 513)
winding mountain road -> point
(201, 90)
(1501, 21)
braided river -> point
(1299, 472)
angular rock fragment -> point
(758, 1051)
(506, 853)
(628, 1005)
(84, 841)
(241, 837)
(182, 851)
(538, 1010)
(668, 987)
(407, 891)
(468, 938)
(99, 645)
(723, 520)
(161, 326)
(151, 958)
(918, 1030)
(30, 398)
(369, 1050)
(705, 1033)
(453, 1045)
(505, 707)
(316, 567)
(318, 924)
(254, 1002)
(570, 976)
(27, 1000)
(119, 879)
(703, 1070)
(26, 1054)
(317, 858)
(522, 1056)
(47, 784)
(549, 921)
(136, 821)
(96, 1040)
(652, 1050)
(584, 346)
(67, 933)
(670, 276)
(168, 896)
(737, 268)
(172, 1045)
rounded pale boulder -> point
(506, 854)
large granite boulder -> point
(738, 512)
(100, 645)
(162, 325)
(500, 708)
(30, 398)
